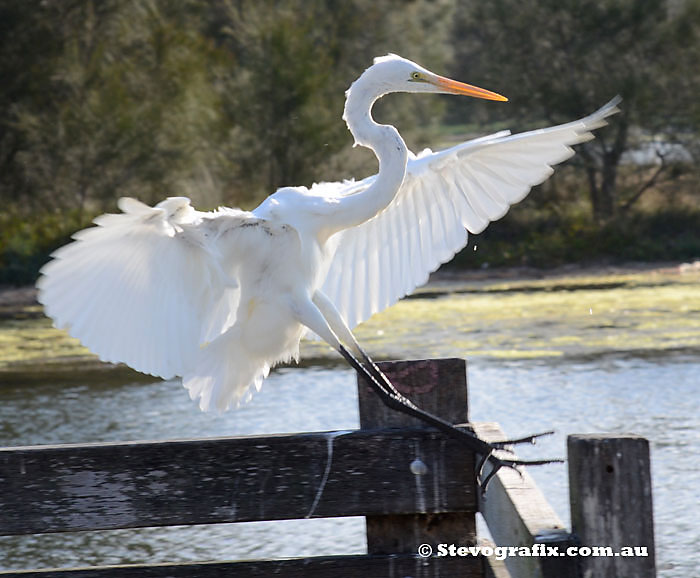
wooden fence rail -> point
(414, 486)
(129, 485)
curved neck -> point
(387, 145)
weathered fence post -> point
(440, 387)
(611, 505)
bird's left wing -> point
(142, 287)
(444, 195)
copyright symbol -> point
(425, 550)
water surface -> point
(657, 398)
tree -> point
(123, 107)
(290, 65)
(560, 59)
(101, 100)
(220, 101)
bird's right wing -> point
(444, 195)
(141, 287)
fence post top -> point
(592, 437)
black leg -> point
(391, 397)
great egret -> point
(220, 297)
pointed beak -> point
(454, 87)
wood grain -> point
(400, 566)
(237, 479)
(611, 505)
(438, 386)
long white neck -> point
(387, 145)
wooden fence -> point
(414, 486)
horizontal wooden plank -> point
(394, 566)
(237, 479)
(517, 514)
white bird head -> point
(392, 73)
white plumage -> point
(219, 298)
(443, 195)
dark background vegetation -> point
(225, 100)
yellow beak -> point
(454, 87)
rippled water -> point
(659, 399)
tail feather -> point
(225, 374)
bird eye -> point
(415, 76)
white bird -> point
(220, 297)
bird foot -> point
(531, 439)
(392, 398)
(487, 451)
(503, 444)
(499, 462)
(513, 463)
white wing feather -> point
(139, 289)
(444, 195)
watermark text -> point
(538, 550)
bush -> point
(26, 243)
(538, 240)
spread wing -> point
(142, 287)
(444, 195)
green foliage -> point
(539, 240)
(125, 109)
(25, 244)
(222, 100)
(291, 64)
(281, 109)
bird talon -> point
(531, 439)
(498, 463)
(483, 484)
(480, 468)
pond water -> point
(658, 398)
